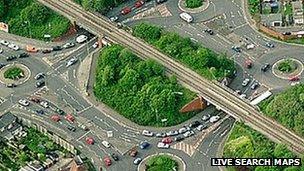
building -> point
(297, 8)
(9, 127)
(272, 20)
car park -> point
(107, 161)
(209, 31)
(39, 76)
(44, 104)
(13, 46)
(214, 119)
(172, 133)
(90, 140)
(39, 111)
(167, 140)
(56, 48)
(188, 134)
(205, 117)
(81, 38)
(194, 124)
(55, 118)
(23, 55)
(71, 128)
(24, 102)
(144, 145)
(201, 127)
(113, 19)
(4, 42)
(147, 133)
(46, 51)
(265, 67)
(269, 45)
(11, 85)
(254, 85)
(114, 156)
(125, 10)
(72, 61)
(245, 82)
(163, 145)
(161, 135)
(139, 4)
(10, 58)
(179, 138)
(106, 144)
(68, 45)
(40, 83)
(137, 161)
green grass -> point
(287, 66)
(288, 9)
(161, 163)
(14, 73)
(28, 18)
(194, 3)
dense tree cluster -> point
(30, 19)
(139, 90)
(244, 142)
(101, 6)
(287, 108)
(202, 60)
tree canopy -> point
(99, 5)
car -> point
(250, 46)
(39, 111)
(236, 49)
(55, 118)
(56, 48)
(245, 82)
(243, 96)
(265, 67)
(107, 161)
(39, 76)
(24, 102)
(1, 50)
(248, 64)
(11, 85)
(90, 140)
(95, 45)
(209, 31)
(188, 134)
(106, 144)
(163, 145)
(160, 135)
(160, 1)
(35, 99)
(254, 85)
(72, 61)
(286, 33)
(81, 38)
(13, 46)
(40, 83)
(119, 25)
(10, 58)
(214, 119)
(238, 92)
(114, 156)
(2, 65)
(147, 133)
(60, 112)
(133, 152)
(139, 3)
(294, 78)
(23, 55)
(167, 140)
(71, 128)
(144, 145)
(113, 18)
(269, 45)
(46, 51)
(44, 104)
(182, 130)
(172, 133)
(125, 10)
(137, 161)
(179, 138)
(68, 45)
(194, 124)
(4, 42)
(201, 127)
(205, 117)
(69, 117)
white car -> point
(182, 130)
(68, 45)
(1, 50)
(81, 38)
(137, 161)
(250, 46)
(205, 117)
(13, 46)
(24, 102)
(172, 133)
(147, 133)
(163, 145)
(114, 18)
(95, 45)
(214, 119)
(44, 104)
(242, 96)
(71, 62)
(245, 82)
(201, 127)
(188, 133)
(106, 144)
(4, 42)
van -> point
(187, 17)
(81, 38)
(106, 144)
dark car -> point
(11, 85)
(209, 31)
(40, 83)
(71, 128)
(269, 45)
(144, 145)
(57, 48)
(114, 156)
(236, 49)
(287, 33)
(60, 112)
(23, 55)
(265, 67)
(47, 51)
(179, 138)
(160, 1)
(194, 124)
(2, 65)
(10, 58)
(39, 112)
(254, 85)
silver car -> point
(245, 82)
(72, 61)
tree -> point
(281, 151)
(2, 8)
(107, 76)
(36, 14)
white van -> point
(106, 144)
(187, 17)
(81, 38)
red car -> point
(248, 64)
(90, 140)
(167, 140)
(294, 78)
(126, 11)
(70, 118)
(107, 161)
(35, 99)
(138, 4)
(55, 118)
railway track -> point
(210, 90)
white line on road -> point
(189, 33)
(193, 39)
(74, 73)
(83, 135)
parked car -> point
(167, 140)
(23, 55)
(2, 65)
(137, 161)
(11, 85)
(245, 82)
(243, 96)
(81, 38)
(147, 133)
(139, 3)
(209, 31)
(39, 111)
(160, 1)
(294, 78)
(186, 17)
(56, 48)
(194, 124)
(133, 152)
(214, 119)
(24, 102)
(179, 138)
(201, 127)
(60, 112)
(71, 128)
(69, 117)
(286, 33)
(125, 10)
(4, 42)
(144, 145)
(39, 76)
(35, 99)
(161, 135)
(205, 117)
(163, 145)
(172, 133)
(113, 18)
(46, 51)
(114, 156)
(107, 161)
(106, 144)
(236, 49)
(269, 45)
(90, 140)
(182, 130)
(68, 45)
(44, 104)
(13, 46)
(72, 61)
(265, 67)
(40, 83)
(248, 64)
(10, 58)
(188, 134)
(250, 46)
(55, 118)
(95, 45)
(254, 85)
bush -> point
(194, 3)
(287, 66)
(139, 90)
(101, 6)
(161, 163)
(14, 73)
(204, 61)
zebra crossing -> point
(163, 10)
(187, 148)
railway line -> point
(212, 91)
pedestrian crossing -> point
(187, 148)
(163, 10)
(41, 91)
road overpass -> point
(213, 92)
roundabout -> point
(14, 73)
(183, 6)
(287, 68)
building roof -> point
(6, 119)
(269, 18)
(297, 5)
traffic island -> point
(14, 73)
(162, 161)
(287, 68)
(193, 6)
